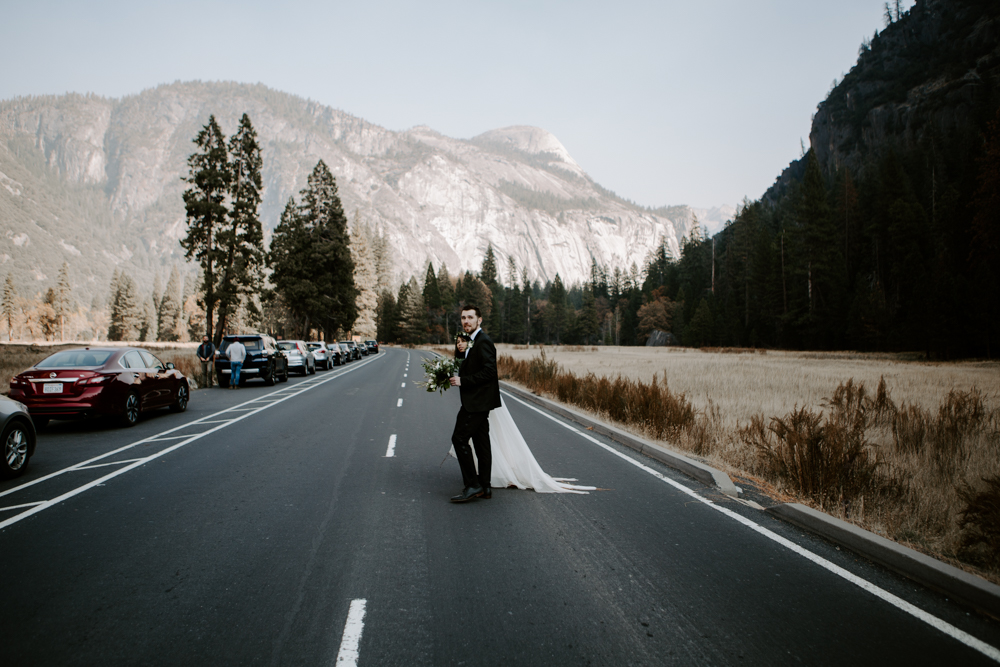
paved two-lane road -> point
(241, 532)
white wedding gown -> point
(513, 462)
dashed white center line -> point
(399, 403)
(404, 374)
(391, 451)
(352, 634)
(403, 385)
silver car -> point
(321, 354)
(300, 358)
(17, 435)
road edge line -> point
(956, 583)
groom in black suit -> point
(479, 386)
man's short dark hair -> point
(470, 306)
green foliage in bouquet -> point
(438, 372)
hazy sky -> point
(698, 103)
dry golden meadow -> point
(905, 448)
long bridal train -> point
(513, 462)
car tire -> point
(284, 376)
(17, 444)
(269, 379)
(130, 409)
(183, 396)
(312, 371)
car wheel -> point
(269, 378)
(130, 410)
(16, 439)
(312, 371)
(181, 404)
(284, 376)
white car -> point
(300, 358)
(321, 354)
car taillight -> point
(18, 382)
(100, 379)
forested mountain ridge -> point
(885, 234)
(96, 182)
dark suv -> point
(264, 360)
(352, 348)
(372, 346)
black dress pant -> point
(474, 425)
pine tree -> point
(488, 272)
(414, 316)
(556, 309)
(148, 327)
(126, 309)
(171, 309)
(366, 280)
(386, 318)
(240, 240)
(205, 206)
(9, 304)
(383, 261)
(432, 290)
(61, 303)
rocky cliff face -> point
(931, 73)
(97, 182)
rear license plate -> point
(52, 388)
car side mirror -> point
(170, 366)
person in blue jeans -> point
(237, 354)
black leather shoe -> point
(487, 493)
(468, 494)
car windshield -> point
(75, 359)
(248, 343)
(285, 345)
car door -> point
(143, 379)
(163, 383)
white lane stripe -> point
(399, 403)
(404, 385)
(391, 451)
(17, 507)
(901, 604)
(138, 462)
(110, 463)
(404, 374)
(351, 639)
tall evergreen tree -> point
(171, 309)
(205, 205)
(9, 304)
(240, 240)
(126, 309)
(62, 302)
(365, 278)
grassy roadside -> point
(916, 461)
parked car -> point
(320, 354)
(264, 360)
(122, 382)
(353, 347)
(338, 356)
(346, 351)
(17, 435)
(372, 346)
(300, 359)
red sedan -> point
(120, 382)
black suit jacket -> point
(480, 388)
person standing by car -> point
(236, 353)
(205, 353)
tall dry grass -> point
(927, 476)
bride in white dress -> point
(513, 462)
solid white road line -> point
(901, 604)
(301, 388)
(17, 507)
(399, 403)
(355, 625)
(391, 451)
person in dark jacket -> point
(479, 386)
(206, 352)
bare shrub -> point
(961, 414)
(980, 522)
(909, 429)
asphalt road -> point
(248, 530)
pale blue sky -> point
(698, 103)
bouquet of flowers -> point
(438, 372)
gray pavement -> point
(247, 545)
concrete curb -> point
(701, 472)
(953, 582)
